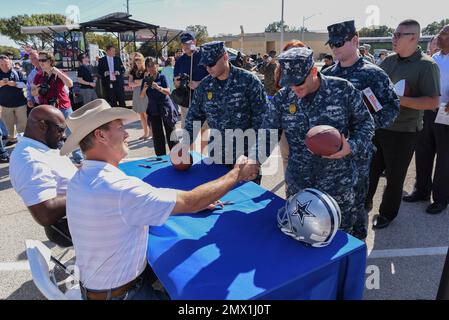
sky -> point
(226, 16)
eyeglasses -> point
(60, 128)
(43, 60)
(398, 35)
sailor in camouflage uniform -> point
(229, 98)
(308, 99)
(344, 41)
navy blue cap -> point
(187, 36)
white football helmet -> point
(310, 216)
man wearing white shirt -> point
(111, 71)
(109, 213)
(40, 175)
(433, 140)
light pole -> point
(242, 34)
(282, 27)
(304, 19)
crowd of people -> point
(74, 201)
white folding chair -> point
(39, 257)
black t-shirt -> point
(85, 73)
(11, 97)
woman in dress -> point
(139, 103)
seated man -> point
(109, 213)
(40, 175)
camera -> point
(181, 95)
(53, 102)
(184, 80)
(44, 89)
(148, 81)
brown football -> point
(323, 140)
(179, 160)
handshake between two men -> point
(206, 196)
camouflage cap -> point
(211, 52)
(341, 31)
(295, 65)
(186, 37)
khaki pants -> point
(285, 150)
(15, 120)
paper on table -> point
(442, 116)
(399, 87)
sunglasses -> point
(60, 128)
(398, 35)
(43, 60)
(341, 43)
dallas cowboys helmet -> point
(310, 216)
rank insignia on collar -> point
(210, 95)
(292, 108)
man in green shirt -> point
(396, 144)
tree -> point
(11, 27)
(435, 27)
(148, 49)
(276, 27)
(378, 31)
(201, 34)
(10, 51)
(102, 40)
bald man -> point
(40, 175)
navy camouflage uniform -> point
(362, 75)
(238, 102)
(336, 103)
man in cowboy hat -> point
(109, 212)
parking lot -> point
(405, 260)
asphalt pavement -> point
(405, 260)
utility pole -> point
(282, 27)
(304, 19)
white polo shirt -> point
(443, 62)
(109, 214)
(39, 173)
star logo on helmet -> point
(302, 211)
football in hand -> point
(181, 158)
(323, 140)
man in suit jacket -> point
(111, 71)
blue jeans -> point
(3, 152)
(143, 290)
(77, 156)
(3, 129)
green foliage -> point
(435, 27)
(276, 27)
(10, 50)
(102, 40)
(11, 27)
(378, 31)
(201, 33)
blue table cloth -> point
(238, 252)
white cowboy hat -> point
(91, 116)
